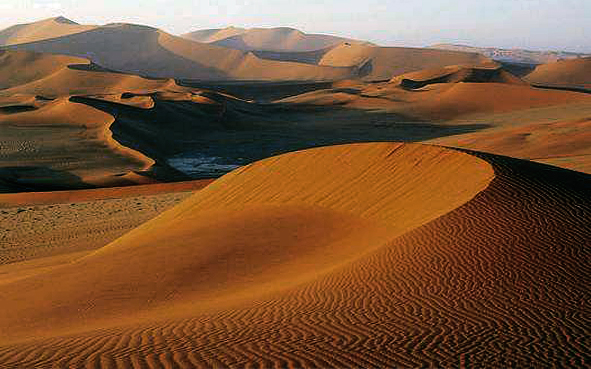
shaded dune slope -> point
(456, 74)
(404, 255)
(281, 39)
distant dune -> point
(400, 255)
(31, 66)
(41, 30)
(514, 55)
(267, 39)
(442, 94)
(456, 74)
(381, 63)
(150, 52)
(565, 73)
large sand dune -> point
(509, 116)
(148, 51)
(268, 39)
(565, 73)
(31, 66)
(41, 30)
(401, 255)
(380, 63)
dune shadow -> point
(15, 109)
(37, 179)
(236, 132)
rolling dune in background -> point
(564, 73)
(357, 255)
(42, 30)
(267, 39)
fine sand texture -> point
(400, 255)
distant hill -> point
(514, 55)
(41, 30)
(267, 39)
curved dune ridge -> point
(41, 30)
(31, 66)
(148, 51)
(269, 39)
(565, 73)
(383, 63)
(456, 74)
(362, 255)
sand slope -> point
(403, 255)
(148, 51)
(31, 66)
(269, 39)
(380, 63)
(569, 73)
(456, 74)
(41, 30)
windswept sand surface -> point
(399, 255)
(37, 225)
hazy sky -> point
(533, 24)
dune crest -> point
(379, 191)
(267, 39)
(41, 30)
(564, 73)
(456, 74)
(395, 257)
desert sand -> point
(268, 198)
(565, 73)
(401, 270)
(267, 39)
(41, 30)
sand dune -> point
(566, 73)
(31, 66)
(507, 116)
(63, 145)
(381, 63)
(73, 76)
(267, 39)
(442, 94)
(41, 30)
(402, 255)
(150, 52)
(456, 74)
